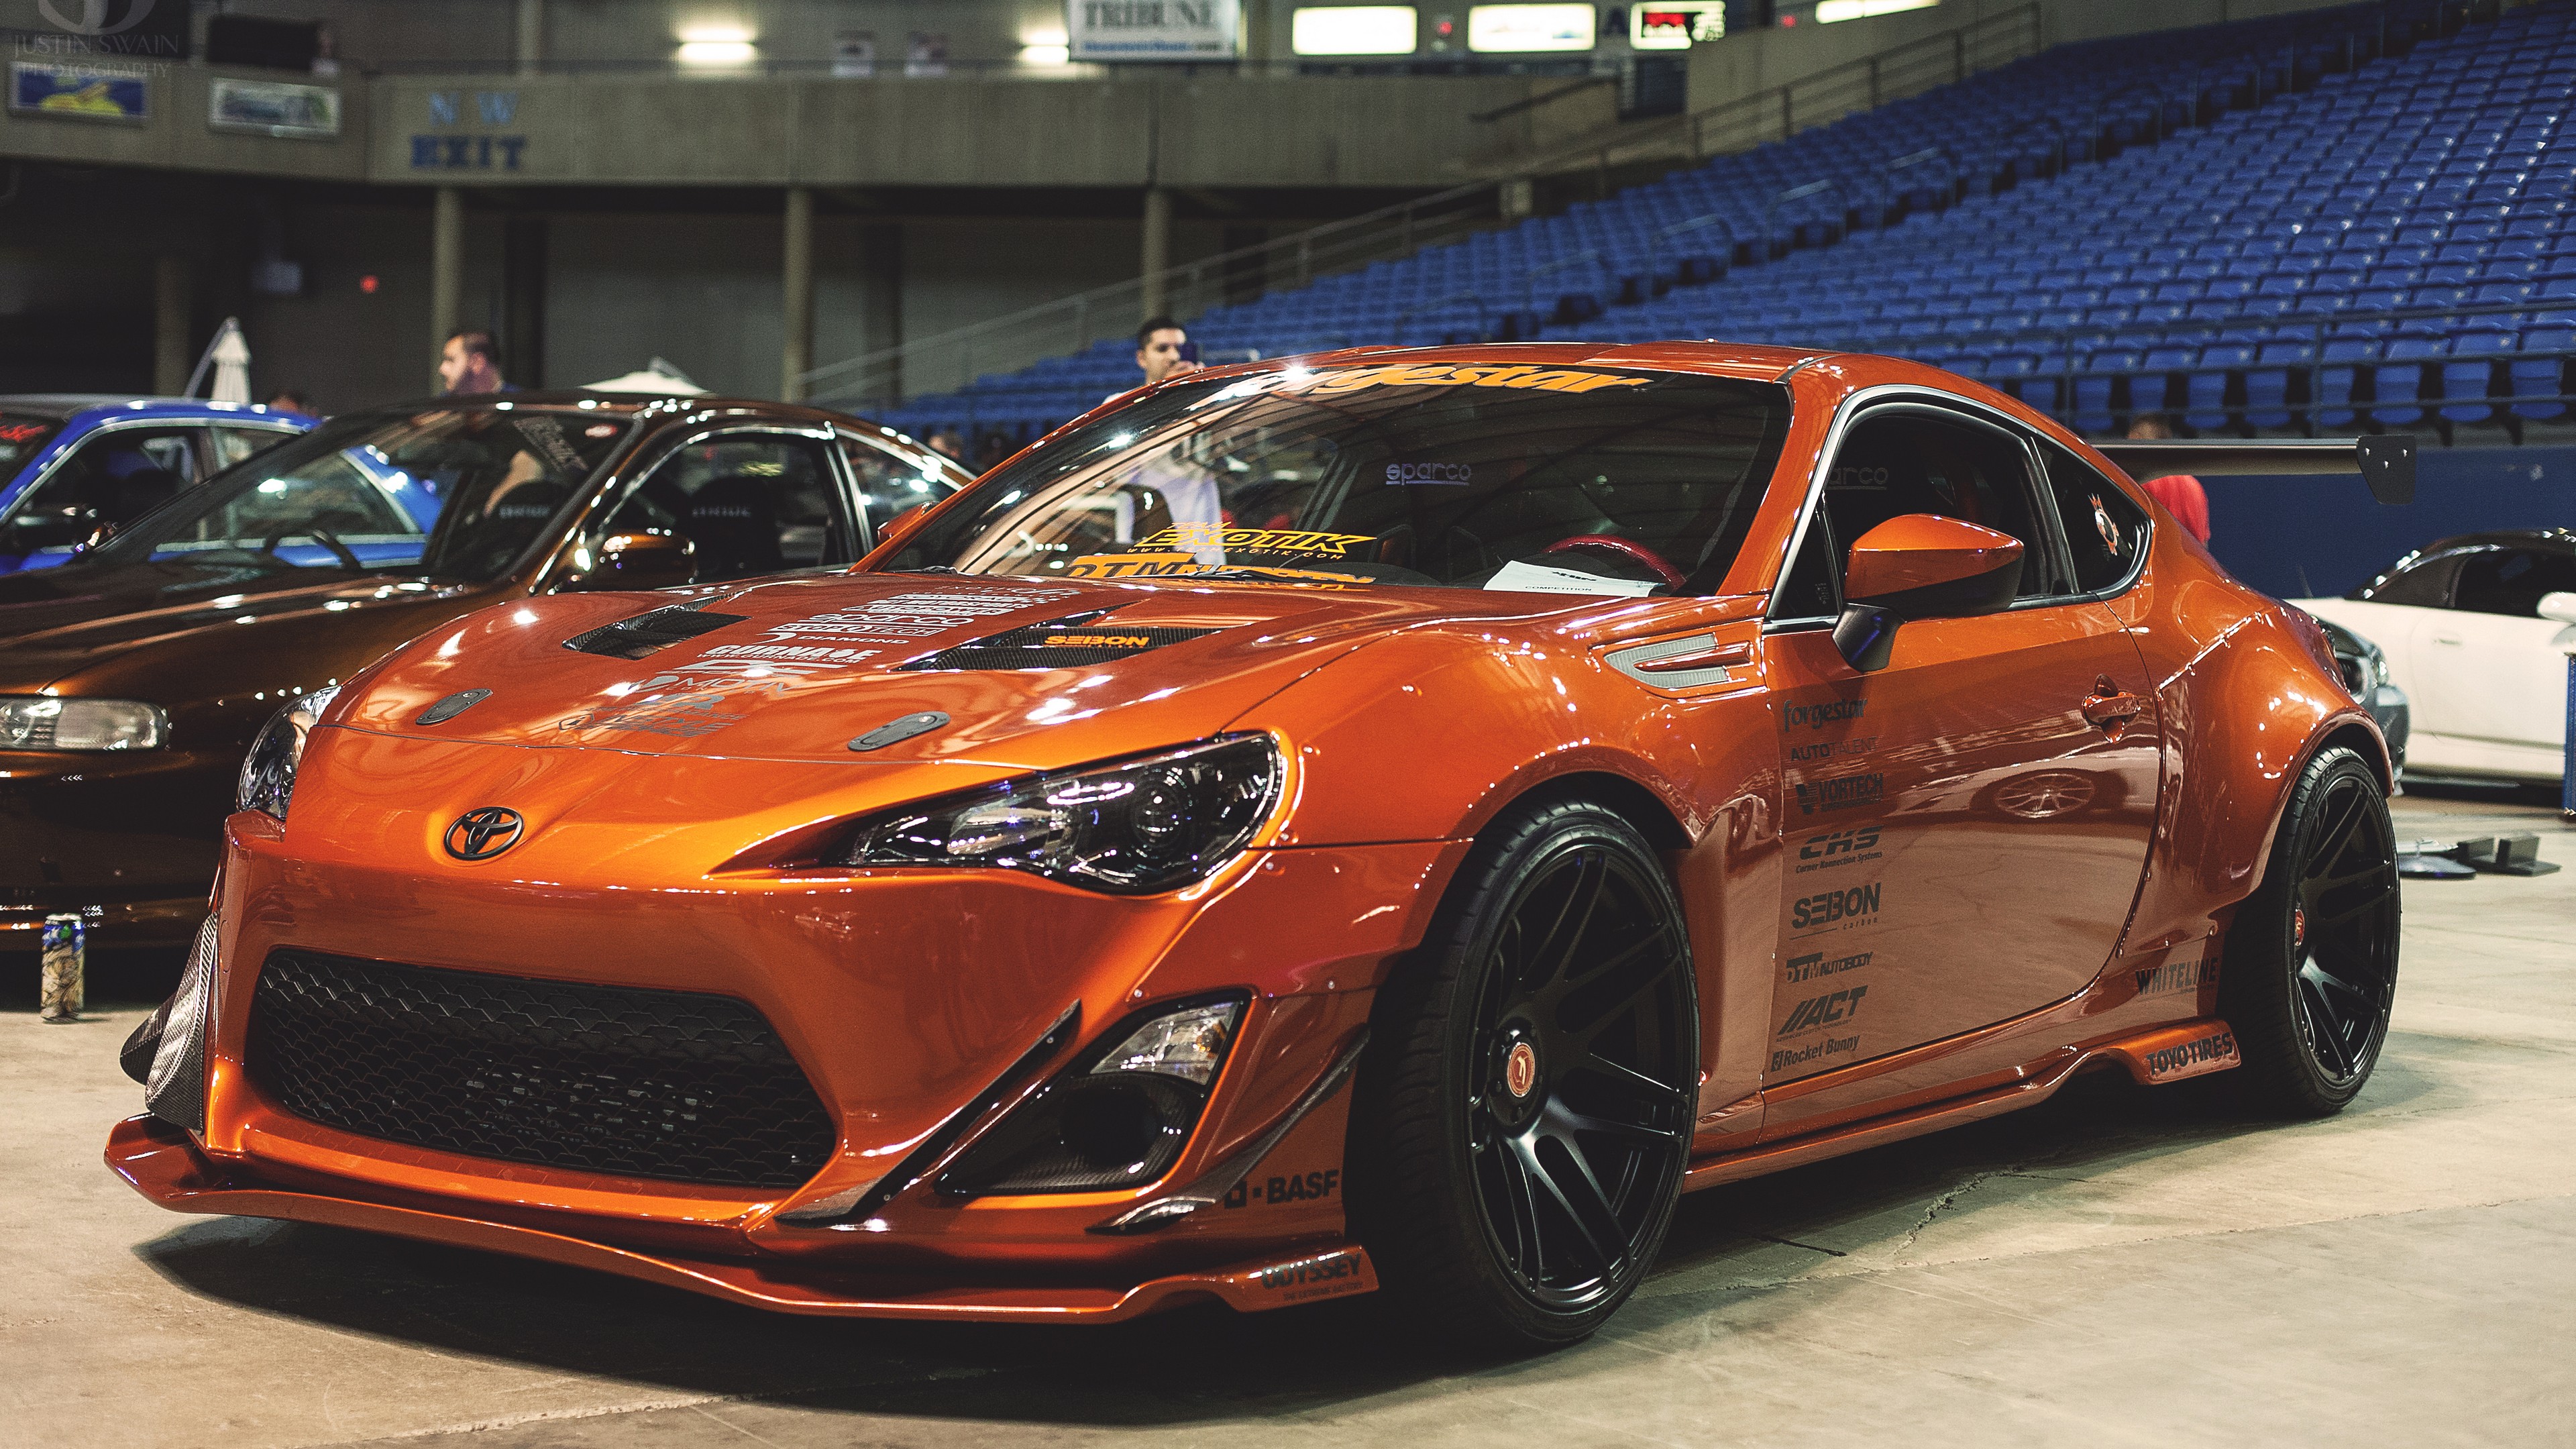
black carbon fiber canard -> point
(1055, 646)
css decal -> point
(1843, 792)
(1857, 906)
(1814, 964)
(1817, 716)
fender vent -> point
(1064, 644)
(633, 638)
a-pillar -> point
(446, 266)
(171, 361)
(1157, 258)
(796, 295)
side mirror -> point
(901, 526)
(2559, 606)
(656, 560)
(1921, 566)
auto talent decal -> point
(1842, 792)
(1829, 749)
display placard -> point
(1352, 30)
(272, 108)
(1675, 24)
(1520, 29)
(78, 92)
(1172, 30)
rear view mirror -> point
(1921, 566)
(2559, 606)
(659, 559)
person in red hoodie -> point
(2180, 493)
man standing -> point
(2180, 493)
(471, 362)
(1163, 350)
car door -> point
(2492, 687)
(893, 481)
(1963, 830)
(107, 478)
(750, 501)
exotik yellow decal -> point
(1536, 379)
(1255, 540)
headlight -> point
(268, 776)
(1119, 1120)
(41, 722)
(1132, 828)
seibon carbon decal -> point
(1062, 644)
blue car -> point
(71, 464)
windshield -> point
(455, 493)
(22, 438)
(1555, 480)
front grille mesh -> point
(609, 1079)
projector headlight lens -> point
(268, 776)
(42, 722)
(1129, 828)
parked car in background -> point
(2365, 672)
(76, 463)
(133, 678)
(2465, 639)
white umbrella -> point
(229, 354)
(657, 377)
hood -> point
(1027, 673)
(177, 634)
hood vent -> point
(1069, 643)
(636, 637)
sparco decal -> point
(1837, 848)
(1817, 716)
(1857, 906)
(2219, 1047)
(1815, 964)
(1842, 792)
(2175, 976)
(1294, 1187)
(1832, 1046)
(1825, 1010)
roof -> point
(70, 404)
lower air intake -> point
(610, 1079)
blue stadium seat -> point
(2468, 376)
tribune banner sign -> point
(1178, 30)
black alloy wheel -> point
(1525, 1117)
(2311, 966)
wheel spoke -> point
(2325, 1028)
(1601, 999)
(1579, 1199)
(1629, 1077)
(1566, 1122)
(1545, 962)
(1521, 1210)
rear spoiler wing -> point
(2386, 462)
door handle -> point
(2446, 638)
(2112, 708)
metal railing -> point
(951, 359)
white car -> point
(2475, 629)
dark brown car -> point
(133, 679)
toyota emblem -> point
(484, 833)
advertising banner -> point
(98, 29)
(82, 92)
(273, 108)
(1175, 30)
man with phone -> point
(1164, 350)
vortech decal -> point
(1304, 541)
(1822, 1011)
(1815, 964)
(1842, 792)
(2206, 1053)
(2175, 976)
(1827, 749)
(1294, 1187)
(1856, 906)
(1837, 848)
(1817, 716)
(1835, 1046)
(905, 617)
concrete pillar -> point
(532, 35)
(172, 357)
(1158, 250)
(796, 295)
(446, 266)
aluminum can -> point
(66, 966)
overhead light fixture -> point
(717, 45)
(1352, 30)
(1829, 11)
(1045, 54)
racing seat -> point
(734, 522)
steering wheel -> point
(1626, 548)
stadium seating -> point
(2344, 219)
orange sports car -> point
(1382, 820)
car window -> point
(2512, 581)
(2105, 531)
(1812, 589)
(2421, 581)
(234, 444)
(22, 440)
(111, 477)
(751, 503)
(891, 485)
(327, 499)
(1893, 463)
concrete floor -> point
(2117, 1267)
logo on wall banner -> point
(1182, 30)
(78, 92)
(272, 108)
